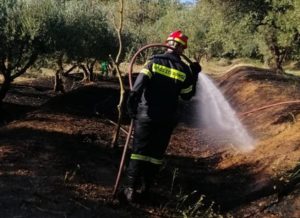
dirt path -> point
(55, 160)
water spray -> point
(218, 117)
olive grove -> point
(79, 33)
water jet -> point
(218, 118)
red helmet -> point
(179, 37)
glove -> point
(132, 104)
(195, 67)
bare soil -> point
(56, 160)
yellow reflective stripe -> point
(146, 158)
(177, 40)
(187, 90)
(146, 72)
(168, 72)
(147, 62)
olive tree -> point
(82, 36)
(254, 28)
(278, 35)
(140, 19)
(93, 38)
(23, 33)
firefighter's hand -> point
(131, 112)
(131, 115)
(132, 104)
(196, 68)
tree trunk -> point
(86, 74)
(5, 87)
(90, 67)
(276, 62)
(61, 76)
(11, 71)
(120, 106)
(119, 32)
(58, 82)
(116, 67)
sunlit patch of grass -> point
(32, 74)
(38, 73)
(293, 72)
(220, 66)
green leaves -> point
(248, 28)
(85, 29)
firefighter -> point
(152, 104)
(104, 69)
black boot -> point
(126, 195)
(148, 177)
(129, 194)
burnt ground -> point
(55, 158)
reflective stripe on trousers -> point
(146, 158)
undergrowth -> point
(192, 205)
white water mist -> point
(218, 117)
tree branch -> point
(2, 66)
(19, 57)
(86, 73)
(119, 31)
(65, 73)
(120, 105)
(30, 62)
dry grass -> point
(276, 129)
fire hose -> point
(116, 186)
(269, 106)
